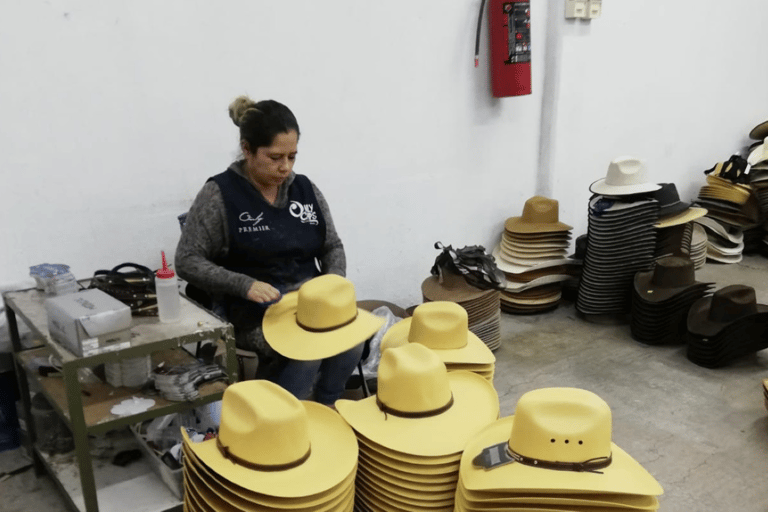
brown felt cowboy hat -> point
(711, 315)
(670, 276)
(319, 320)
(540, 215)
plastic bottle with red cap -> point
(167, 289)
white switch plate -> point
(594, 8)
(575, 9)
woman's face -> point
(270, 165)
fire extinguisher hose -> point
(477, 36)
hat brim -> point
(519, 269)
(699, 323)
(518, 225)
(217, 497)
(286, 337)
(601, 187)
(495, 501)
(688, 215)
(475, 405)
(759, 132)
(624, 475)
(475, 351)
(454, 288)
(202, 477)
(645, 288)
(333, 457)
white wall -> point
(114, 114)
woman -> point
(259, 230)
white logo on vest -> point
(246, 217)
(305, 213)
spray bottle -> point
(167, 289)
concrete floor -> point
(702, 433)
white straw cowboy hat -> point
(442, 326)
(558, 441)
(420, 408)
(626, 175)
(269, 442)
(319, 320)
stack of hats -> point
(621, 238)
(555, 453)
(272, 452)
(726, 326)
(533, 256)
(661, 300)
(728, 197)
(758, 179)
(698, 245)
(725, 243)
(674, 226)
(413, 432)
(482, 306)
(443, 327)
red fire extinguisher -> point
(510, 34)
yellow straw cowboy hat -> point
(420, 408)
(442, 326)
(271, 443)
(558, 441)
(319, 320)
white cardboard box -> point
(89, 322)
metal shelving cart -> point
(85, 406)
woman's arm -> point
(333, 260)
(203, 240)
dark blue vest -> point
(274, 245)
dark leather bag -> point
(130, 283)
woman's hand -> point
(263, 292)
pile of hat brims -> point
(758, 177)
(443, 327)
(555, 453)
(482, 306)
(532, 254)
(291, 455)
(675, 229)
(725, 243)
(661, 300)
(413, 432)
(698, 252)
(726, 326)
(621, 238)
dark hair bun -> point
(239, 107)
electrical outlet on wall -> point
(594, 8)
(575, 9)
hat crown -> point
(326, 302)
(412, 379)
(263, 424)
(541, 210)
(667, 195)
(625, 170)
(561, 425)
(439, 325)
(673, 272)
(732, 302)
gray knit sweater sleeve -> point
(205, 238)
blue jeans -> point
(334, 372)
